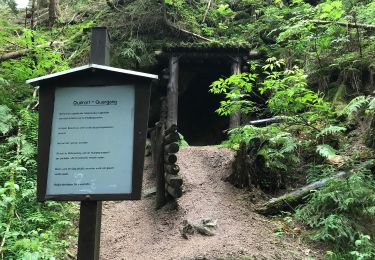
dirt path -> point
(134, 230)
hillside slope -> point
(134, 230)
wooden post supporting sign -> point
(91, 211)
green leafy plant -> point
(338, 210)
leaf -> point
(331, 130)
(354, 105)
(325, 150)
(6, 119)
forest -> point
(310, 69)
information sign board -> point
(91, 150)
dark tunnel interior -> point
(197, 120)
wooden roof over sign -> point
(91, 67)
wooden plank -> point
(171, 169)
(172, 148)
(174, 192)
(235, 118)
(172, 92)
(89, 230)
(170, 158)
(173, 180)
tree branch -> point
(175, 27)
(206, 12)
(350, 25)
(24, 52)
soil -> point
(135, 230)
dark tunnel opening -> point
(197, 120)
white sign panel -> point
(91, 149)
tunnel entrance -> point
(197, 120)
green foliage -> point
(182, 142)
(6, 119)
(29, 230)
(339, 212)
(331, 130)
(236, 89)
(279, 149)
(289, 98)
(308, 122)
(364, 103)
(325, 150)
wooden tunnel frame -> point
(175, 54)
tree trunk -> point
(235, 117)
(54, 11)
(247, 167)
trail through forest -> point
(135, 230)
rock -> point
(149, 192)
(204, 227)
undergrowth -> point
(28, 229)
(309, 138)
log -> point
(173, 180)
(289, 200)
(24, 52)
(158, 164)
(172, 169)
(174, 192)
(172, 148)
(350, 25)
(171, 138)
(172, 129)
(170, 158)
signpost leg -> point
(89, 230)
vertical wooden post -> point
(172, 92)
(157, 137)
(235, 118)
(100, 46)
(91, 211)
(89, 230)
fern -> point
(336, 210)
(354, 105)
(325, 150)
(331, 130)
(6, 119)
(182, 142)
(371, 104)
